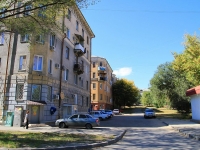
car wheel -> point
(88, 126)
(62, 125)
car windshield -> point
(108, 111)
(149, 110)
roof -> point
(193, 91)
(36, 102)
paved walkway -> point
(185, 127)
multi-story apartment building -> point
(101, 84)
(47, 74)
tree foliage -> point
(168, 86)
(146, 98)
(27, 16)
(188, 62)
(125, 93)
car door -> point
(82, 120)
(73, 120)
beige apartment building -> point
(49, 77)
(101, 84)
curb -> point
(184, 133)
(119, 137)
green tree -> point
(146, 98)
(38, 16)
(169, 86)
(188, 62)
(125, 93)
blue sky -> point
(136, 36)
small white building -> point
(194, 93)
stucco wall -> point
(195, 105)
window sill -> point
(23, 70)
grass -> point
(17, 139)
(160, 112)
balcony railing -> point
(78, 68)
(79, 50)
(101, 69)
(102, 79)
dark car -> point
(149, 113)
(78, 120)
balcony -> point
(102, 70)
(78, 68)
(79, 50)
(102, 79)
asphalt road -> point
(147, 134)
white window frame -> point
(50, 66)
(52, 40)
(94, 85)
(67, 53)
(76, 79)
(77, 25)
(24, 38)
(68, 33)
(27, 7)
(32, 90)
(69, 15)
(36, 66)
(22, 62)
(18, 90)
(2, 38)
(40, 38)
(66, 74)
(2, 10)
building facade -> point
(101, 84)
(49, 76)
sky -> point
(136, 36)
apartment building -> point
(101, 84)
(47, 74)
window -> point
(86, 69)
(87, 102)
(101, 97)
(50, 67)
(2, 38)
(83, 33)
(49, 93)
(1, 11)
(77, 25)
(37, 63)
(24, 38)
(81, 103)
(93, 75)
(68, 33)
(100, 85)
(87, 54)
(18, 8)
(87, 88)
(74, 117)
(36, 90)
(69, 15)
(94, 85)
(41, 12)
(26, 8)
(82, 83)
(19, 91)
(75, 79)
(0, 62)
(82, 116)
(100, 63)
(40, 39)
(94, 96)
(67, 53)
(52, 41)
(66, 74)
(22, 63)
(87, 40)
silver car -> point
(149, 113)
(78, 120)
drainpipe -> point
(61, 64)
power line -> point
(145, 11)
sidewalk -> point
(116, 133)
(185, 127)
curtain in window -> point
(40, 63)
(20, 62)
(2, 38)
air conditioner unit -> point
(57, 66)
(52, 48)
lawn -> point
(17, 139)
(160, 112)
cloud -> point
(123, 71)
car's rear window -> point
(149, 110)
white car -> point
(149, 113)
(115, 111)
(99, 114)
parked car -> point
(149, 113)
(99, 114)
(78, 120)
(116, 111)
(109, 112)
